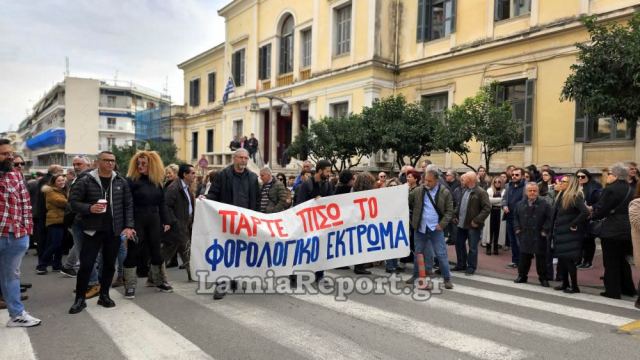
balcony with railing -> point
(120, 126)
(305, 74)
(284, 80)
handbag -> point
(595, 226)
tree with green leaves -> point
(340, 140)
(480, 118)
(409, 129)
(167, 151)
(606, 79)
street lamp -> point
(284, 111)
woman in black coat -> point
(591, 190)
(569, 229)
(616, 233)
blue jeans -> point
(468, 260)
(11, 253)
(513, 239)
(427, 244)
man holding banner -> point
(316, 187)
(235, 185)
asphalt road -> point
(481, 318)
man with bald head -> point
(473, 210)
(235, 185)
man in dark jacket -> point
(252, 147)
(432, 206)
(180, 205)
(274, 197)
(453, 185)
(512, 196)
(345, 182)
(235, 185)
(532, 224)
(473, 210)
(317, 187)
(104, 202)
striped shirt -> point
(264, 195)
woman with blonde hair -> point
(495, 227)
(569, 229)
(146, 177)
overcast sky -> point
(141, 40)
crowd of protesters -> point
(136, 225)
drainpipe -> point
(396, 55)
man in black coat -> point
(180, 205)
(235, 185)
(532, 224)
(316, 187)
(103, 200)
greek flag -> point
(228, 90)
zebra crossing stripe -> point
(14, 342)
(140, 335)
(570, 311)
(468, 344)
(308, 341)
(548, 291)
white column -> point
(295, 120)
(273, 128)
(313, 110)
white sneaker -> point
(23, 320)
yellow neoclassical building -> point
(330, 57)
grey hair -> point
(239, 151)
(619, 170)
(266, 170)
(83, 158)
(431, 171)
(530, 184)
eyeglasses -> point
(582, 176)
(515, 175)
(112, 161)
(16, 164)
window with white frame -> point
(342, 17)
(286, 45)
(306, 48)
(436, 19)
(237, 67)
(111, 142)
(237, 128)
(340, 109)
(437, 103)
(506, 9)
(111, 123)
(264, 62)
(111, 101)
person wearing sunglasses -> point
(591, 190)
(514, 193)
(18, 163)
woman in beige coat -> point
(634, 219)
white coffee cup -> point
(103, 202)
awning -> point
(50, 137)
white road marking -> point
(14, 342)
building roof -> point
(202, 55)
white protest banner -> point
(320, 234)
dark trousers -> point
(588, 249)
(40, 229)
(525, 264)
(409, 258)
(494, 229)
(52, 254)
(467, 258)
(91, 245)
(177, 245)
(617, 272)
(149, 231)
(513, 240)
(567, 269)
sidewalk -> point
(495, 265)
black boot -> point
(77, 306)
(105, 300)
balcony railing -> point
(305, 74)
(266, 85)
(286, 79)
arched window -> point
(286, 46)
